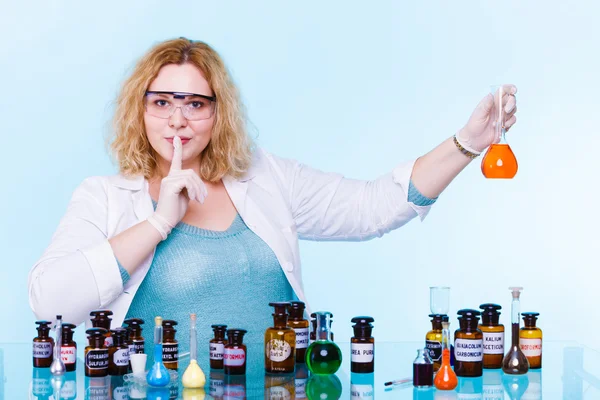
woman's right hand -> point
(172, 200)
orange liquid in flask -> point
(499, 162)
(445, 378)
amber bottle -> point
(530, 340)
(280, 342)
(299, 324)
(234, 354)
(217, 346)
(362, 345)
(101, 319)
(43, 346)
(468, 345)
(68, 349)
(433, 340)
(135, 334)
(96, 355)
(170, 353)
(118, 353)
(493, 336)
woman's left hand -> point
(480, 131)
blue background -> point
(345, 87)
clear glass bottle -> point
(299, 324)
(422, 369)
(323, 356)
(515, 362)
(170, 355)
(217, 346)
(433, 340)
(445, 378)
(234, 355)
(68, 350)
(280, 342)
(493, 335)
(43, 346)
(96, 355)
(530, 340)
(468, 345)
(362, 346)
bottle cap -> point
(280, 308)
(490, 313)
(168, 325)
(134, 321)
(530, 318)
(296, 309)
(219, 327)
(100, 319)
(236, 335)
(362, 326)
(96, 334)
(67, 332)
(436, 317)
(516, 291)
(43, 327)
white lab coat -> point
(280, 200)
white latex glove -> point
(480, 130)
(172, 201)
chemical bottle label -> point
(234, 357)
(68, 354)
(170, 352)
(132, 349)
(300, 387)
(493, 342)
(362, 392)
(278, 350)
(138, 347)
(362, 352)
(493, 392)
(435, 349)
(217, 386)
(216, 351)
(468, 350)
(69, 390)
(97, 359)
(301, 338)
(120, 393)
(531, 347)
(236, 391)
(121, 357)
(42, 349)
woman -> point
(198, 220)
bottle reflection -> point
(41, 387)
(362, 386)
(194, 394)
(445, 395)
(118, 389)
(492, 384)
(69, 387)
(158, 393)
(470, 388)
(300, 380)
(97, 388)
(280, 387)
(216, 383)
(534, 390)
(572, 379)
(235, 387)
(323, 387)
(515, 385)
(427, 393)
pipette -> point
(193, 377)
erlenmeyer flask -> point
(499, 161)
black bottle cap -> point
(468, 319)
(134, 321)
(296, 309)
(490, 313)
(445, 318)
(219, 327)
(101, 319)
(168, 325)
(436, 317)
(530, 318)
(43, 328)
(101, 313)
(68, 327)
(67, 332)
(96, 332)
(119, 335)
(96, 336)
(280, 308)
(236, 336)
(468, 313)
(362, 326)
(362, 320)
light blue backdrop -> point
(345, 87)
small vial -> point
(170, 355)
(96, 355)
(422, 369)
(362, 345)
(217, 346)
(135, 335)
(468, 345)
(68, 350)
(234, 355)
(493, 336)
(433, 340)
(101, 319)
(530, 340)
(118, 353)
(299, 324)
(43, 346)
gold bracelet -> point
(466, 152)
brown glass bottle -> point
(118, 353)
(468, 345)
(299, 324)
(170, 352)
(362, 345)
(96, 355)
(433, 340)
(43, 346)
(493, 336)
(530, 340)
(68, 349)
(280, 342)
(217, 346)
(101, 319)
(234, 354)
(135, 334)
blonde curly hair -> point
(229, 151)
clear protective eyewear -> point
(194, 107)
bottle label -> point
(468, 350)
(121, 393)
(362, 392)
(97, 359)
(216, 388)
(138, 347)
(121, 357)
(278, 393)
(531, 347)
(301, 338)
(234, 357)
(493, 342)
(42, 349)
(278, 350)
(216, 351)
(300, 385)
(68, 354)
(435, 349)
(362, 352)
(493, 392)
(170, 352)
(69, 390)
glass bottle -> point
(422, 369)
(280, 342)
(530, 339)
(493, 335)
(170, 355)
(515, 362)
(362, 346)
(468, 345)
(299, 324)
(445, 378)
(313, 323)
(217, 346)
(158, 375)
(101, 319)
(96, 355)
(323, 356)
(68, 350)
(135, 334)
(57, 368)
(193, 377)
(118, 353)
(234, 354)
(43, 346)
(433, 340)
